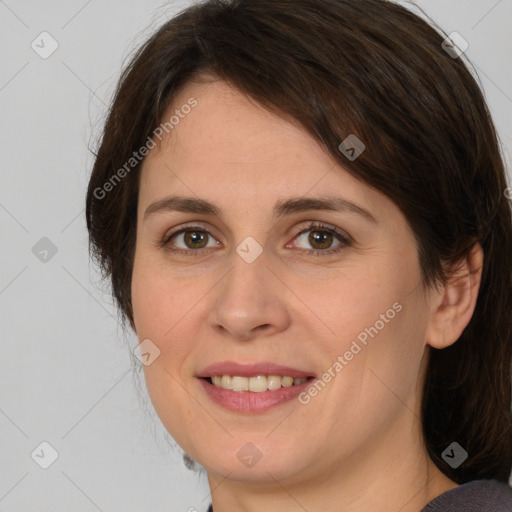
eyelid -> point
(305, 225)
(186, 227)
(344, 238)
(320, 226)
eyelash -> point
(345, 240)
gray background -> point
(65, 366)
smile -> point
(255, 384)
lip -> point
(251, 370)
(247, 402)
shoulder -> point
(475, 496)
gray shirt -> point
(475, 496)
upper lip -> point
(251, 370)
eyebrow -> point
(281, 208)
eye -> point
(321, 238)
(194, 240)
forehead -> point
(228, 126)
(229, 147)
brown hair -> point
(338, 67)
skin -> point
(355, 446)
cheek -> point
(360, 303)
(160, 308)
(160, 299)
(373, 322)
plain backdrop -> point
(65, 366)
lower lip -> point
(249, 402)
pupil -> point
(320, 237)
(195, 237)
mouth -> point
(255, 388)
(256, 383)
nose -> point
(250, 301)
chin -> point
(246, 461)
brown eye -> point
(190, 239)
(195, 239)
(320, 239)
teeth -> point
(257, 384)
(273, 382)
(240, 384)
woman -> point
(303, 210)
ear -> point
(453, 305)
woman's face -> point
(254, 284)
